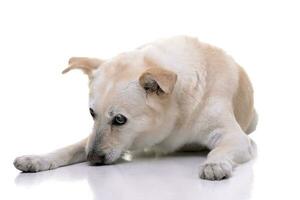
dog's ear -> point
(87, 65)
(158, 80)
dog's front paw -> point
(32, 164)
(216, 170)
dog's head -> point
(131, 102)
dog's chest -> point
(182, 137)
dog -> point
(166, 96)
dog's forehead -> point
(116, 82)
(125, 66)
(116, 97)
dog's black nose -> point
(95, 158)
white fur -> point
(200, 110)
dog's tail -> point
(253, 123)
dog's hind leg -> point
(66, 156)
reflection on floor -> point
(169, 177)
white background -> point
(41, 110)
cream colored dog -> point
(165, 96)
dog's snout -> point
(95, 158)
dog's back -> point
(203, 69)
(244, 111)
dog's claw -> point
(215, 171)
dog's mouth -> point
(103, 159)
(96, 159)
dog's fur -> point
(175, 93)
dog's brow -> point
(111, 113)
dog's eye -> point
(92, 113)
(119, 120)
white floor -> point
(172, 177)
(273, 175)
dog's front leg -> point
(66, 156)
(230, 147)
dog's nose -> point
(95, 158)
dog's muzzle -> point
(96, 158)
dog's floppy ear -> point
(87, 65)
(158, 80)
